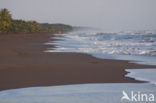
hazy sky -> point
(107, 14)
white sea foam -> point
(84, 93)
(142, 43)
(113, 43)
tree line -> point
(10, 25)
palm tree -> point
(5, 20)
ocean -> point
(135, 46)
(83, 93)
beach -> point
(23, 63)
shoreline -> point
(24, 64)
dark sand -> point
(24, 64)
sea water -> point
(83, 93)
(139, 47)
(146, 74)
(89, 93)
(136, 46)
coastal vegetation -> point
(10, 25)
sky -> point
(106, 14)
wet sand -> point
(24, 64)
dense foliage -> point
(9, 25)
